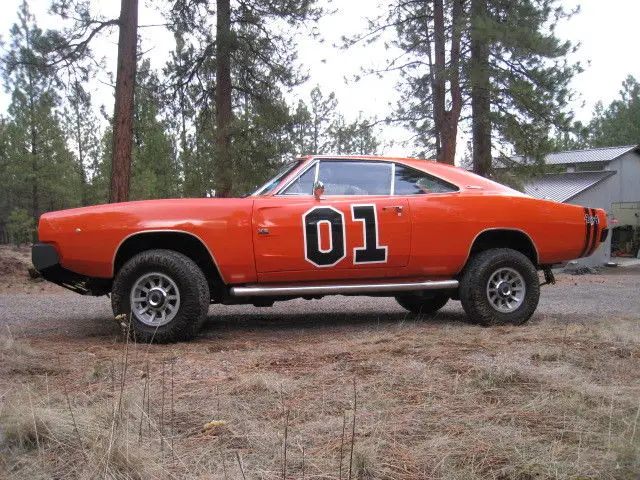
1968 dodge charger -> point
(416, 230)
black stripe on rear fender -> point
(587, 230)
(594, 221)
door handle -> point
(263, 231)
(397, 208)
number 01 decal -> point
(372, 252)
(312, 221)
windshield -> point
(271, 184)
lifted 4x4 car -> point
(416, 230)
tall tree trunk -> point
(439, 77)
(452, 116)
(123, 110)
(446, 120)
(480, 99)
(432, 81)
(224, 114)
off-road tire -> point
(474, 283)
(423, 303)
(193, 293)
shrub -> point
(21, 226)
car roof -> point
(361, 157)
(459, 176)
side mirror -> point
(318, 189)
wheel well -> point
(514, 239)
(180, 242)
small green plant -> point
(21, 226)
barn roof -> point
(564, 186)
(605, 154)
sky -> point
(605, 30)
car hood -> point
(145, 214)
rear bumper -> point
(46, 260)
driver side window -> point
(355, 177)
(345, 178)
(303, 185)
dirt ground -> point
(330, 394)
(14, 274)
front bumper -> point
(46, 260)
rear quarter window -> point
(409, 181)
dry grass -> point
(447, 401)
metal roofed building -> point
(607, 178)
(563, 187)
(591, 155)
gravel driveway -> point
(615, 293)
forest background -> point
(225, 91)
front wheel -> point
(165, 294)
(499, 286)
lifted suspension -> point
(549, 279)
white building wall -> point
(602, 196)
(624, 186)
(628, 168)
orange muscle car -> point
(417, 230)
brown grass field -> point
(381, 400)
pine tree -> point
(429, 37)
(254, 62)
(363, 136)
(155, 171)
(123, 108)
(355, 138)
(190, 111)
(181, 107)
(322, 115)
(262, 143)
(70, 50)
(576, 137)
(524, 72)
(619, 123)
(82, 130)
(301, 130)
(320, 128)
(496, 61)
(6, 180)
(41, 169)
(199, 178)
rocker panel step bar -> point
(266, 291)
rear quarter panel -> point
(445, 226)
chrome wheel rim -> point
(155, 299)
(506, 290)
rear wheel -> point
(499, 286)
(164, 293)
(423, 303)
